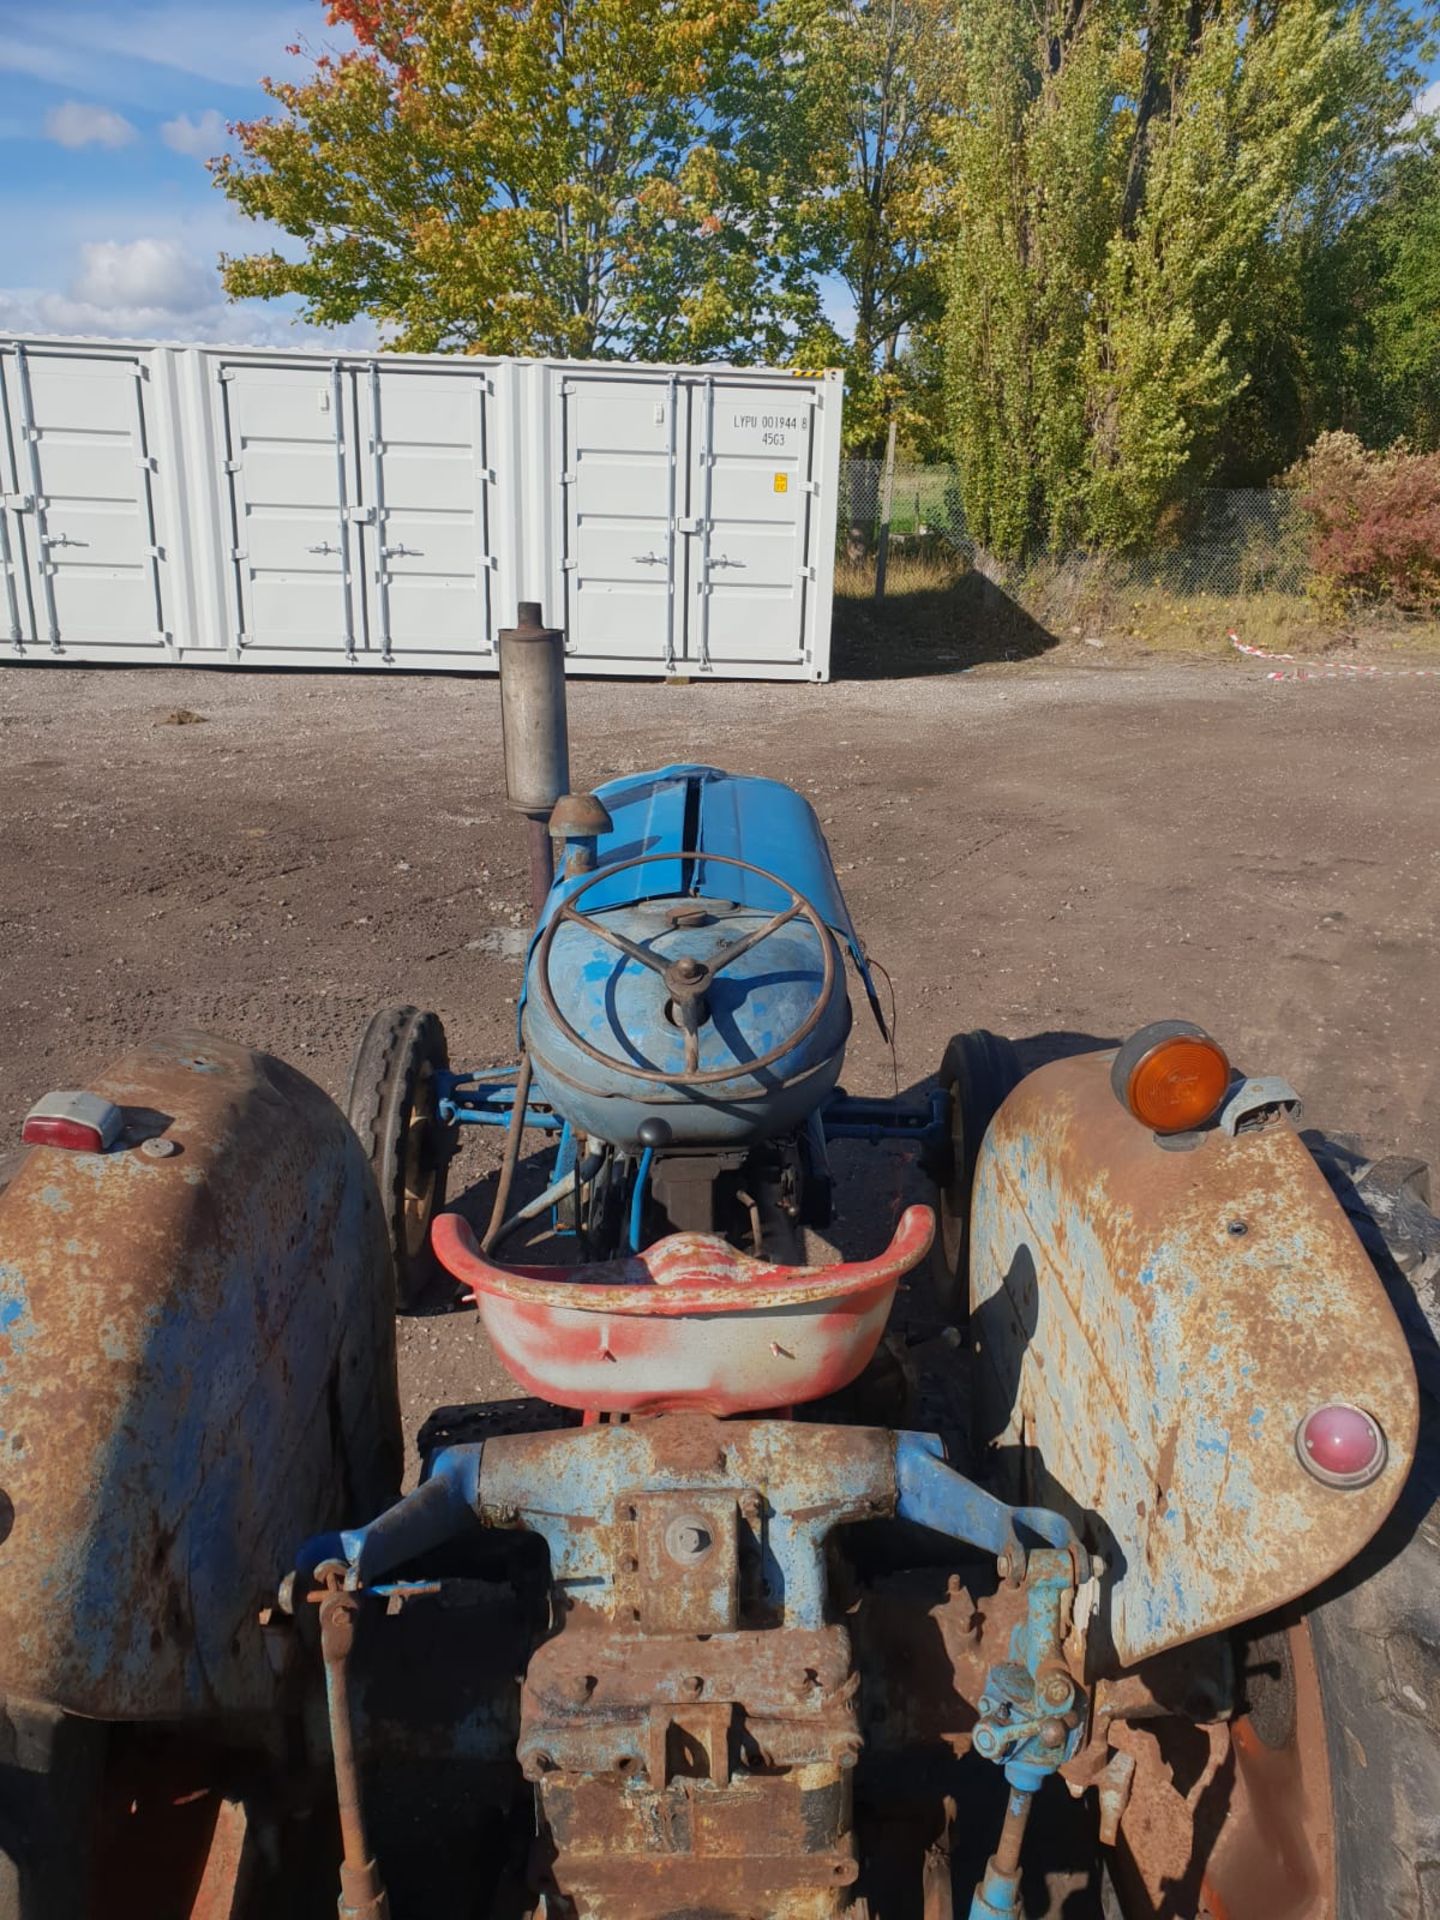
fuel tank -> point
(695, 862)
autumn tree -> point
(578, 178)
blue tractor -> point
(1065, 1546)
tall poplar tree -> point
(1132, 177)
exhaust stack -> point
(536, 740)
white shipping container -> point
(212, 505)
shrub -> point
(1374, 521)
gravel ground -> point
(1042, 849)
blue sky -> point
(108, 109)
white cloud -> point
(1429, 100)
(157, 288)
(150, 275)
(74, 124)
(200, 137)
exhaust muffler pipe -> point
(534, 731)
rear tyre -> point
(1376, 1631)
(392, 1102)
(50, 1773)
(978, 1071)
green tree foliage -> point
(1373, 326)
(1140, 184)
(1407, 319)
(581, 177)
(1106, 251)
(873, 96)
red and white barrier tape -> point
(1257, 653)
(1340, 671)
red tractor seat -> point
(690, 1323)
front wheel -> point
(392, 1102)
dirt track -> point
(1039, 849)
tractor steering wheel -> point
(687, 977)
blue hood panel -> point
(739, 814)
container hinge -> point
(19, 502)
(234, 466)
(567, 479)
(156, 551)
(569, 565)
(492, 561)
(362, 516)
(225, 373)
(808, 573)
(147, 463)
(567, 387)
(238, 553)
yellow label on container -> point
(782, 483)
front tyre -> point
(392, 1102)
(978, 1071)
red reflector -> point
(1341, 1445)
(50, 1130)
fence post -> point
(887, 489)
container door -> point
(81, 544)
(17, 522)
(428, 567)
(624, 559)
(751, 496)
(295, 507)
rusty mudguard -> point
(1152, 1326)
(197, 1370)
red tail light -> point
(1341, 1445)
(81, 1122)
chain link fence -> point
(1232, 543)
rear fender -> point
(1152, 1326)
(197, 1370)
